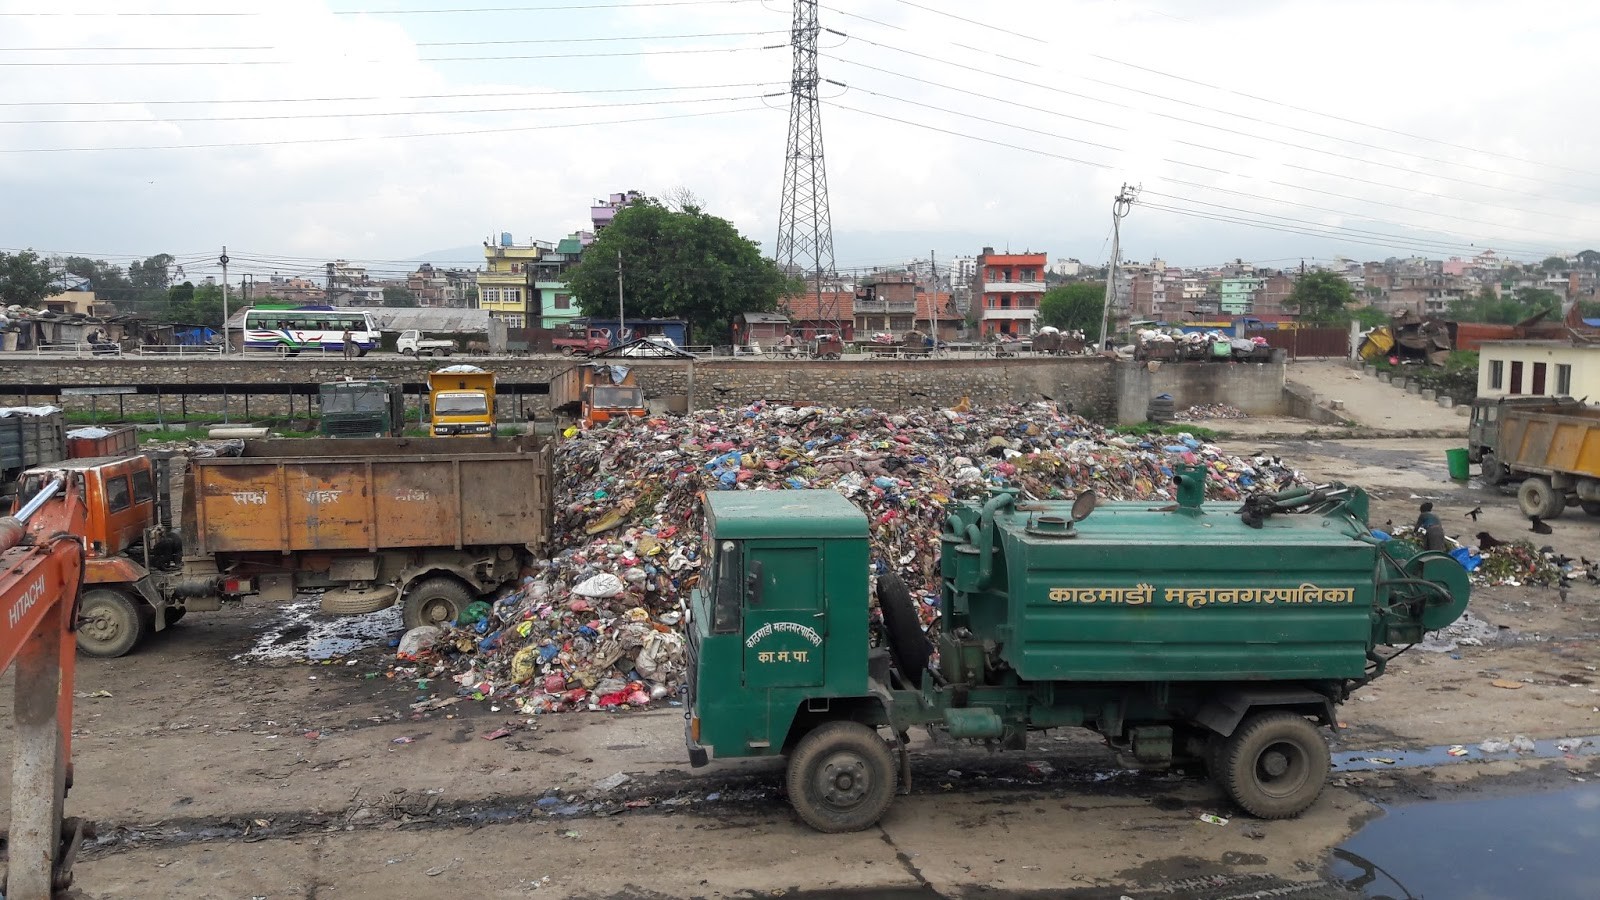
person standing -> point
(349, 345)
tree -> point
(24, 278)
(684, 264)
(1320, 298)
(399, 297)
(1074, 306)
(1370, 316)
(1589, 259)
(1553, 264)
(190, 305)
(1487, 306)
(150, 276)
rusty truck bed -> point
(1548, 443)
(386, 493)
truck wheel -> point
(409, 351)
(1592, 507)
(841, 777)
(110, 623)
(908, 646)
(436, 601)
(1537, 498)
(1493, 472)
(1273, 765)
(566, 351)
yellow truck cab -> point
(461, 402)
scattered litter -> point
(1494, 746)
(497, 734)
(1211, 819)
(1507, 683)
(1522, 744)
(404, 740)
(1457, 750)
(1210, 411)
(312, 735)
(1384, 760)
(1570, 745)
(1041, 768)
(611, 782)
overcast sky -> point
(296, 131)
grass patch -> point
(1146, 429)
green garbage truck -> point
(361, 409)
(1211, 634)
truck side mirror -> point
(753, 584)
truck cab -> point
(361, 409)
(461, 402)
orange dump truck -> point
(596, 392)
(1550, 444)
(432, 523)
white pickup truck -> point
(412, 343)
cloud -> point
(1271, 114)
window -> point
(511, 295)
(491, 295)
(117, 493)
(143, 490)
(1497, 374)
(1563, 379)
(512, 320)
(563, 301)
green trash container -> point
(1460, 466)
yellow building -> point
(504, 286)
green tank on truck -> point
(1220, 635)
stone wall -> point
(1085, 383)
(1256, 388)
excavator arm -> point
(41, 575)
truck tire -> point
(1592, 507)
(110, 623)
(1273, 765)
(439, 600)
(409, 351)
(1493, 472)
(841, 777)
(1537, 498)
(908, 646)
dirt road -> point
(213, 773)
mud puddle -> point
(1526, 845)
(299, 631)
(1492, 749)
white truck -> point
(412, 343)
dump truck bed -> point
(1548, 443)
(1149, 593)
(386, 493)
(30, 440)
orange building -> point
(1006, 288)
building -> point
(505, 286)
(551, 297)
(286, 289)
(936, 314)
(1268, 300)
(830, 311)
(1006, 288)
(1555, 368)
(886, 302)
(603, 211)
(766, 329)
(1236, 294)
(1066, 268)
(441, 287)
(71, 295)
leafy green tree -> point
(150, 276)
(24, 278)
(1487, 306)
(1320, 298)
(1074, 306)
(109, 282)
(1553, 264)
(1589, 259)
(188, 304)
(400, 297)
(1370, 316)
(685, 264)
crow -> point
(1487, 540)
(1476, 512)
(1539, 527)
(1388, 526)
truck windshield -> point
(617, 398)
(370, 401)
(461, 405)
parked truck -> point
(1208, 634)
(431, 524)
(597, 393)
(361, 409)
(29, 436)
(461, 402)
(101, 440)
(1552, 444)
(412, 343)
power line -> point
(361, 115)
(290, 62)
(561, 40)
(979, 118)
(979, 23)
(473, 94)
(379, 12)
(380, 137)
(989, 97)
(126, 49)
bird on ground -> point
(1388, 526)
(1475, 513)
(1487, 540)
(1539, 527)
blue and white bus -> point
(288, 331)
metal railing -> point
(179, 350)
(74, 348)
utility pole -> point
(224, 262)
(327, 292)
(619, 298)
(933, 307)
(1119, 208)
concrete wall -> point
(1256, 388)
(1099, 388)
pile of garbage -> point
(598, 626)
(1510, 563)
(1201, 411)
